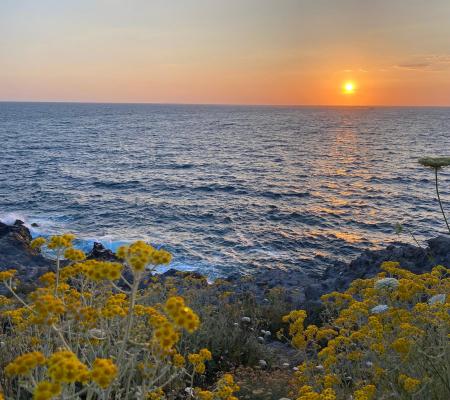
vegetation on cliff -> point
(98, 329)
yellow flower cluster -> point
(25, 363)
(139, 254)
(18, 317)
(7, 275)
(165, 333)
(198, 360)
(365, 393)
(48, 279)
(411, 385)
(157, 394)
(182, 315)
(74, 254)
(224, 390)
(101, 270)
(65, 367)
(47, 308)
(115, 306)
(46, 390)
(61, 241)
(104, 371)
(178, 360)
(296, 319)
(88, 316)
(85, 318)
(37, 243)
(381, 330)
(226, 387)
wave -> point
(117, 185)
(280, 195)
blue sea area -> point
(225, 188)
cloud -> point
(431, 62)
(417, 65)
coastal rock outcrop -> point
(413, 258)
(301, 288)
(100, 252)
(16, 253)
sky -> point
(302, 52)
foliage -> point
(384, 338)
(91, 331)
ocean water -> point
(225, 188)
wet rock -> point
(99, 252)
(412, 258)
(16, 253)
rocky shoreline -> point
(302, 288)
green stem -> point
(439, 199)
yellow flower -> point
(157, 394)
(178, 360)
(409, 384)
(139, 255)
(198, 360)
(46, 390)
(365, 393)
(65, 367)
(47, 307)
(7, 275)
(182, 315)
(37, 243)
(104, 371)
(401, 345)
(25, 363)
(74, 254)
(61, 242)
(204, 394)
(101, 270)
(115, 306)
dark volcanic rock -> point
(301, 288)
(99, 252)
(16, 253)
(413, 258)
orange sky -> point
(397, 52)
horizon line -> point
(225, 104)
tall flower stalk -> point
(437, 163)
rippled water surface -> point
(225, 188)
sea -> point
(226, 189)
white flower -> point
(262, 363)
(319, 367)
(379, 309)
(369, 364)
(260, 339)
(286, 365)
(189, 391)
(437, 299)
(246, 319)
(386, 283)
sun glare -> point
(348, 87)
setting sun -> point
(349, 88)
